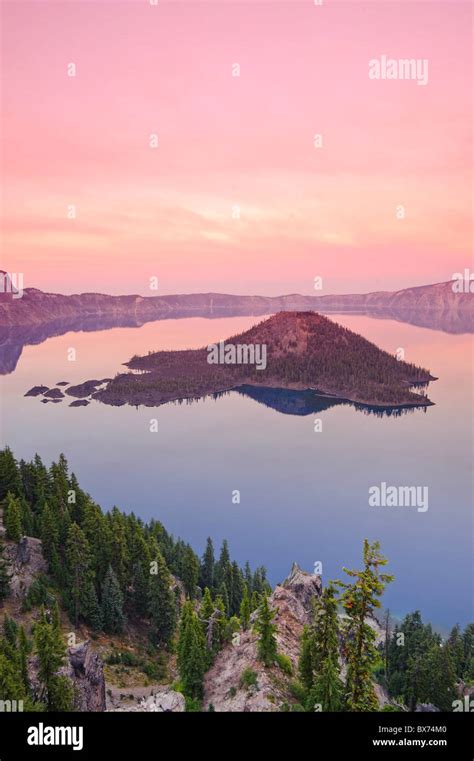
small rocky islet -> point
(80, 392)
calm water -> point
(304, 494)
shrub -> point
(192, 705)
(298, 691)
(39, 593)
(285, 664)
(248, 678)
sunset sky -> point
(227, 141)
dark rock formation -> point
(84, 389)
(37, 391)
(54, 393)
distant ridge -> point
(39, 308)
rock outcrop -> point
(26, 564)
(292, 603)
(87, 673)
(161, 700)
(85, 669)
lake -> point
(303, 492)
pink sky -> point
(234, 141)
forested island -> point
(303, 351)
(96, 606)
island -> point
(303, 351)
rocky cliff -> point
(292, 602)
(83, 665)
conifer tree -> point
(438, 678)
(206, 578)
(81, 591)
(11, 684)
(26, 517)
(327, 688)
(254, 601)
(113, 618)
(359, 600)
(222, 565)
(456, 646)
(193, 657)
(220, 624)
(468, 646)
(248, 577)
(12, 518)
(237, 589)
(51, 652)
(23, 649)
(49, 533)
(224, 595)
(10, 480)
(206, 610)
(245, 610)
(190, 571)
(305, 664)
(161, 603)
(267, 646)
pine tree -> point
(456, 646)
(248, 577)
(11, 684)
(468, 645)
(190, 571)
(438, 678)
(51, 652)
(4, 574)
(254, 601)
(49, 533)
(206, 610)
(305, 663)
(26, 517)
(267, 646)
(245, 610)
(222, 565)
(193, 657)
(359, 600)
(24, 649)
(12, 518)
(119, 554)
(237, 589)
(10, 480)
(206, 578)
(224, 595)
(161, 603)
(327, 688)
(81, 592)
(113, 618)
